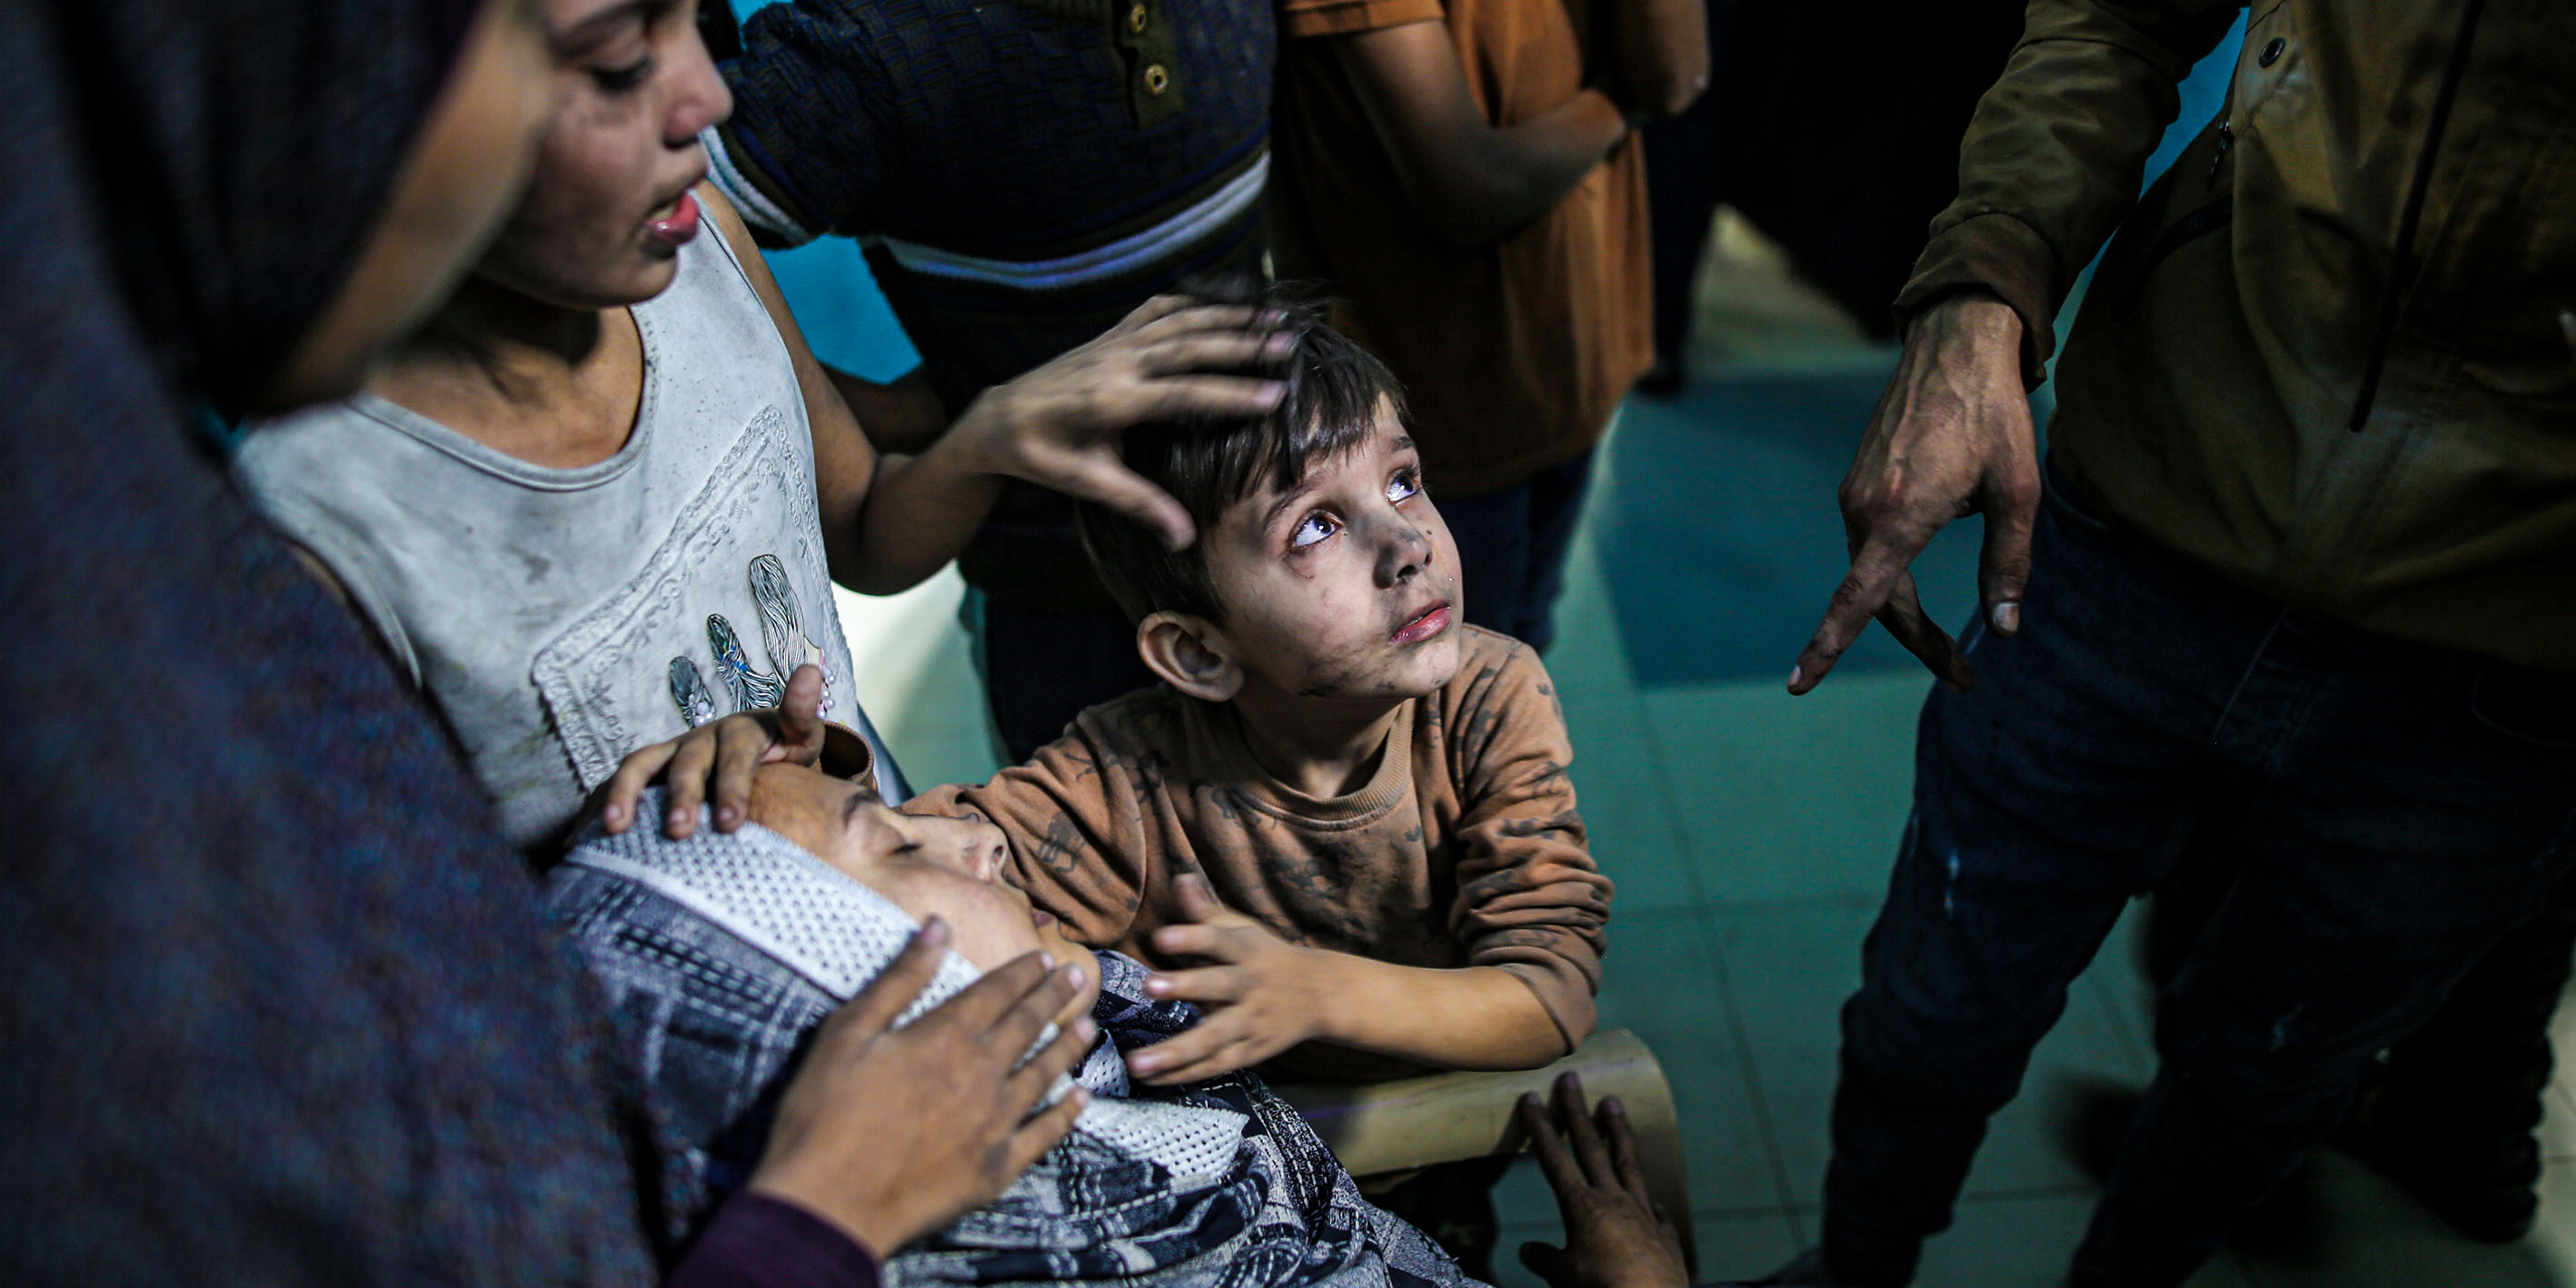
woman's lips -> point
(1425, 624)
(676, 228)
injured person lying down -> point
(727, 949)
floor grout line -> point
(1774, 1155)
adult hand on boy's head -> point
(1259, 992)
(891, 1133)
(1615, 1236)
(724, 753)
(1058, 426)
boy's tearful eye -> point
(1311, 529)
(1404, 486)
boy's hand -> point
(725, 752)
(1262, 994)
(1058, 426)
(1615, 1236)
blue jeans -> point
(2392, 811)
(1512, 546)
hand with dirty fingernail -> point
(1952, 436)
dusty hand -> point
(892, 1133)
(724, 752)
(1615, 1236)
(1058, 426)
(1260, 993)
(1951, 437)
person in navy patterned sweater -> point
(1023, 175)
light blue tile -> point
(1743, 1245)
(2119, 980)
(2368, 1234)
(915, 677)
(1793, 967)
(1662, 980)
(2552, 1241)
(1790, 798)
(1590, 656)
(1725, 541)
(1508, 1270)
(1522, 1199)
(1619, 786)
(2028, 1242)
(930, 762)
(2558, 1127)
(2562, 1039)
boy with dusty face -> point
(1339, 603)
(1344, 810)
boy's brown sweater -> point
(1464, 848)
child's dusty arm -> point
(1263, 995)
(1530, 900)
(1467, 1017)
(1074, 856)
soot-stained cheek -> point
(1354, 667)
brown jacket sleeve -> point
(1080, 847)
(1530, 900)
(2053, 159)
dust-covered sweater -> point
(1463, 849)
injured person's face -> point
(945, 867)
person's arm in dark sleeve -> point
(2053, 158)
(806, 150)
(756, 1241)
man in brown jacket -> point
(2293, 588)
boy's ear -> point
(1191, 655)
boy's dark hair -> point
(1208, 463)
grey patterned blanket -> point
(721, 952)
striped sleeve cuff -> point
(770, 222)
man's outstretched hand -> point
(1951, 437)
(1615, 1237)
(891, 1133)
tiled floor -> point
(1750, 833)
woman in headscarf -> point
(276, 1002)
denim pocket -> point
(2059, 495)
(2533, 707)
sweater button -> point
(2271, 52)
